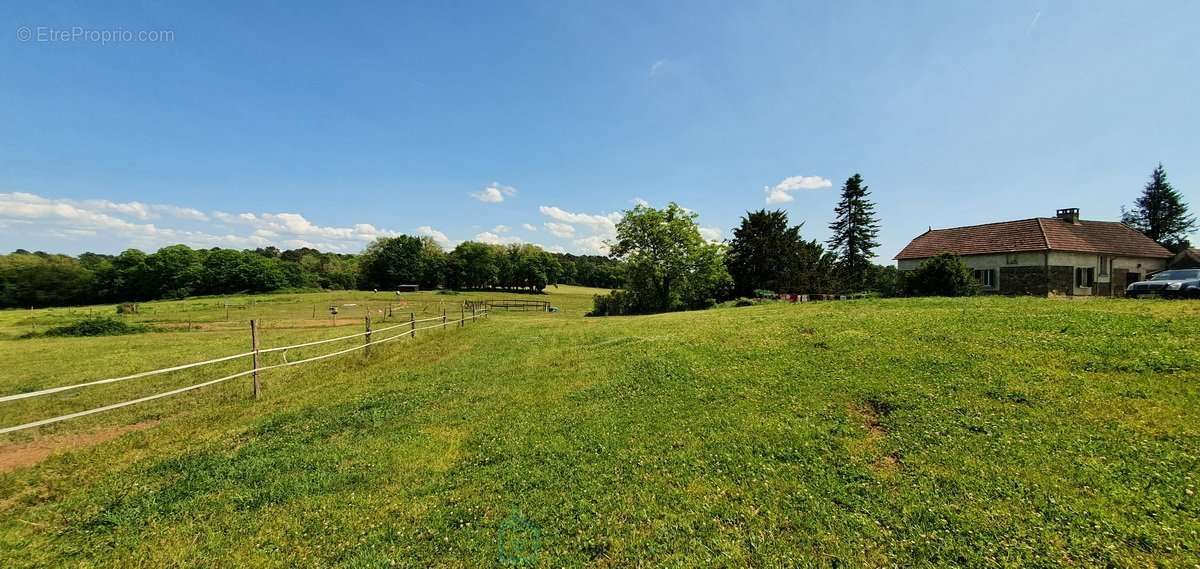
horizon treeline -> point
(39, 279)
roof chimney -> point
(1069, 215)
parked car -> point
(1179, 283)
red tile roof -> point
(1037, 234)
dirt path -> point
(20, 455)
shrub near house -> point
(943, 275)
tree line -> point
(669, 266)
(39, 279)
(658, 258)
(390, 262)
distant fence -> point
(369, 340)
(817, 297)
(511, 304)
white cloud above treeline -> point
(26, 217)
(598, 229)
(495, 192)
(782, 192)
(130, 222)
(438, 237)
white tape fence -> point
(411, 324)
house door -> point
(1130, 278)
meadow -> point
(901, 432)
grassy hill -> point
(980, 432)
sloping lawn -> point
(968, 432)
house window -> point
(1085, 277)
(986, 277)
(1010, 259)
(1105, 263)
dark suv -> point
(1179, 283)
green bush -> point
(94, 326)
(744, 302)
(615, 303)
(943, 275)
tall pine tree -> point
(854, 233)
(1161, 214)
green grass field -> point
(908, 432)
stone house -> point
(1059, 255)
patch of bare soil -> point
(871, 420)
(870, 415)
(887, 464)
(21, 455)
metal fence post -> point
(443, 318)
(254, 347)
(412, 324)
(367, 337)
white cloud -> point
(137, 210)
(65, 218)
(602, 224)
(493, 239)
(657, 66)
(234, 218)
(501, 229)
(438, 237)
(640, 201)
(711, 233)
(180, 212)
(130, 209)
(70, 219)
(560, 229)
(782, 192)
(495, 192)
(294, 224)
(599, 227)
(529, 226)
(594, 245)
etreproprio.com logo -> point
(81, 34)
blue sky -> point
(329, 125)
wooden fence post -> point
(367, 337)
(443, 318)
(412, 323)
(254, 347)
(462, 316)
